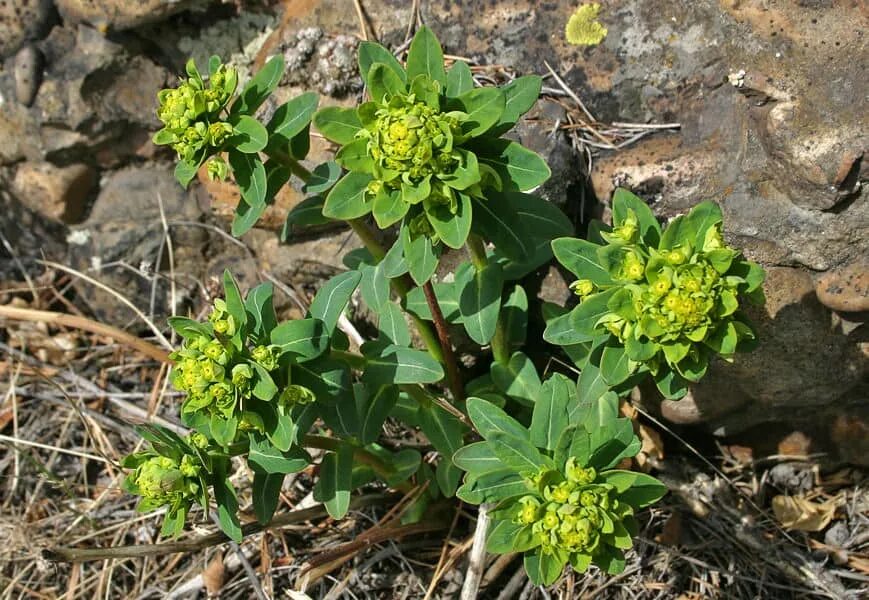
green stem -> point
(356, 361)
(500, 344)
(292, 164)
(361, 455)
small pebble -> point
(28, 74)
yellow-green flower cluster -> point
(216, 376)
(190, 113)
(676, 292)
(570, 513)
(166, 481)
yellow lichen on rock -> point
(583, 29)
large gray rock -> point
(22, 21)
(121, 14)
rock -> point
(118, 15)
(323, 62)
(21, 21)
(846, 288)
(30, 236)
(58, 193)
(19, 132)
(28, 74)
(122, 244)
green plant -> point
(653, 301)
(558, 495)
(425, 159)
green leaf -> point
(354, 157)
(371, 53)
(425, 57)
(671, 385)
(323, 177)
(500, 227)
(259, 87)
(520, 96)
(190, 329)
(234, 303)
(260, 309)
(330, 300)
(698, 221)
(580, 258)
(550, 416)
(270, 459)
(476, 458)
(337, 124)
(543, 568)
(185, 172)
(560, 331)
(644, 491)
(291, 119)
(490, 420)
(518, 379)
(650, 229)
(346, 200)
(520, 168)
(173, 520)
(452, 228)
(326, 377)
(393, 326)
(306, 338)
(519, 455)
(585, 316)
(264, 386)
(492, 487)
(307, 212)
(374, 286)
(336, 476)
(459, 79)
(514, 316)
(383, 81)
(591, 384)
(442, 429)
(480, 303)
(393, 263)
(615, 365)
(266, 491)
(484, 106)
(400, 365)
(249, 135)
(420, 257)
(227, 505)
(373, 410)
(250, 175)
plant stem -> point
(292, 164)
(419, 393)
(356, 361)
(77, 555)
(382, 468)
(500, 343)
(453, 378)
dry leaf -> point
(212, 576)
(794, 512)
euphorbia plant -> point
(425, 159)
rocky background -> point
(770, 96)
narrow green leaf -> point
(306, 338)
(259, 87)
(306, 213)
(520, 94)
(520, 169)
(645, 490)
(490, 420)
(452, 228)
(337, 123)
(580, 258)
(492, 487)
(323, 177)
(371, 53)
(346, 200)
(550, 416)
(374, 410)
(518, 379)
(393, 326)
(420, 257)
(227, 505)
(292, 117)
(249, 135)
(270, 459)
(400, 365)
(480, 303)
(514, 315)
(459, 79)
(336, 476)
(425, 57)
(266, 491)
(260, 309)
(250, 175)
(442, 429)
(519, 455)
(476, 458)
(543, 568)
(330, 300)
(585, 317)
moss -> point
(583, 29)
